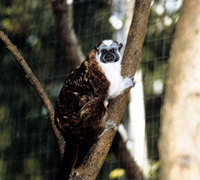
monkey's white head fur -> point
(109, 58)
(108, 51)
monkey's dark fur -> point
(80, 108)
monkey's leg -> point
(91, 115)
(93, 107)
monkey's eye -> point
(112, 50)
(105, 51)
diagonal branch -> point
(93, 162)
(36, 85)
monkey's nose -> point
(109, 57)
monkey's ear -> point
(96, 48)
(120, 46)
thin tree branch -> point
(36, 85)
(93, 162)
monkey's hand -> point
(128, 81)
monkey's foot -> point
(109, 125)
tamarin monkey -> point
(81, 105)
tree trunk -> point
(70, 54)
(179, 144)
(134, 115)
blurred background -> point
(54, 39)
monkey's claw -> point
(130, 76)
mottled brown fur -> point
(79, 111)
(80, 105)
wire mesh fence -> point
(28, 148)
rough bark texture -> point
(179, 144)
(93, 162)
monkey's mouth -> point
(109, 58)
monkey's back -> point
(79, 108)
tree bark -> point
(93, 162)
(179, 144)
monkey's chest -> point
(113, 74)
(115, 87)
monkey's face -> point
(108, 51)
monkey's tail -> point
(69, 160)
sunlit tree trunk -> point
(180, 128)
(134, 115)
